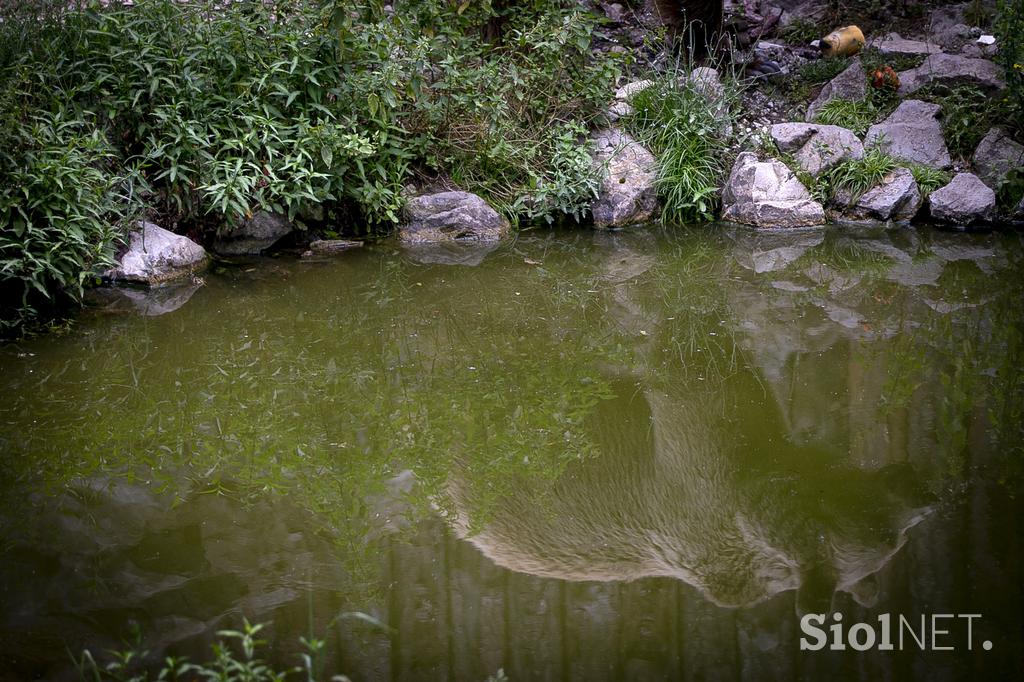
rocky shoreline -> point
(780, 147)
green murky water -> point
(638, 455)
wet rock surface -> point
(451, 216)
(627, 195)
(253, 236)
(964, 201)
(768, 194)
(156, 256)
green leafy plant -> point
(64, 204)
(800, 32)
(207, 112)
(227, 665)
(1009, 30)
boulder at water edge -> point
(451, 216)
(156, 256)
(897, 197)
(768, 194)
(965, 200)
(997, 154)
(628, 194)
(253, 236)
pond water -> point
(578, 456)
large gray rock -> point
(997, 154)
(895, 45)
(768, 194)
(253, 236)
(817, 148)
(896, 198)
(965, 200)
(451, 216)
(156, 256)
(912, 133)
(851, 84)
(628, 194)
(953, 69)
(706, 81)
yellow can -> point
(842, 42)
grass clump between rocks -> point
(856, 116)
(928, 179)
(853, 177)
(686, 125)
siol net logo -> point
(937, 632)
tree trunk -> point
(693, 25)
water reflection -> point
(672, 441)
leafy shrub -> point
(1009, 29)
(216, 110)
(226, 666)
(686, 129)
(801, 32)
(63, 204)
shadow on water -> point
(578, 456)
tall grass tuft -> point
(687, 127)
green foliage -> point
(227, 665)
(968, 114)
(63, 204)
(857, 116)
(800, 32)
(928, 179)
(506, 118)
(1009, 29)
(1011, 190)
(685, 128)
(823, 70)
(209, 111)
